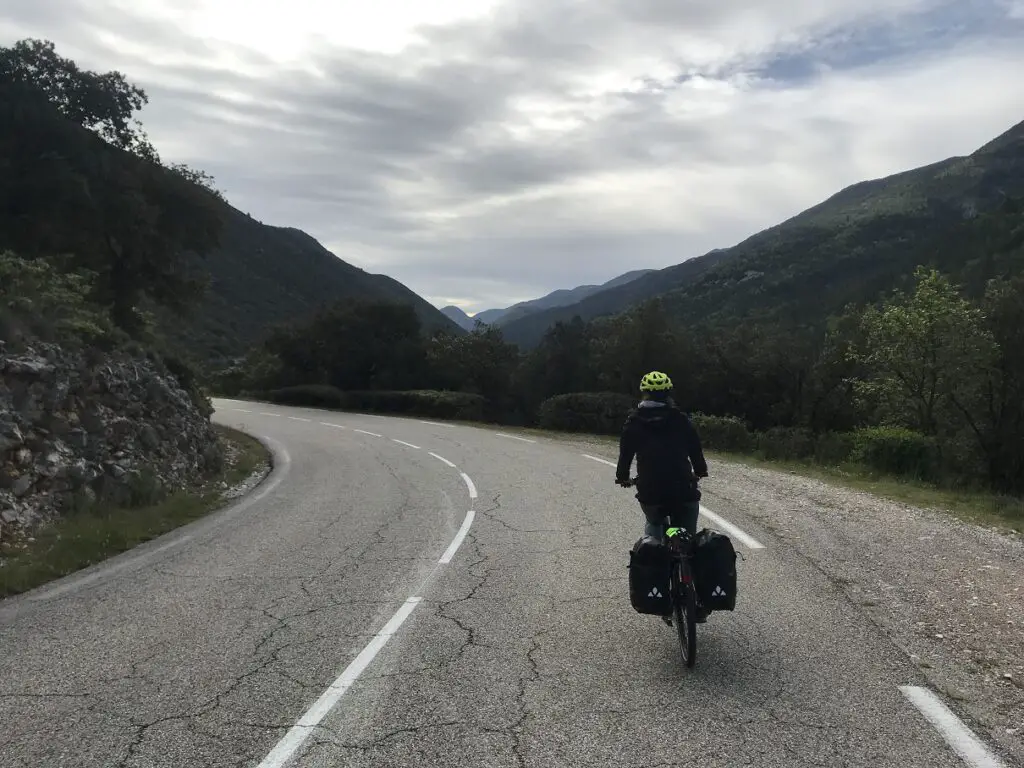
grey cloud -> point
(358, 150)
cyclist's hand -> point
(625, 483)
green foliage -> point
(787, 443)
(138, 227)
(309, 396)
(462, 406)
(39, 299)
(601, 413)
(724, 433)
(897, 451)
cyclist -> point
(669, 458)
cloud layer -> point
(487, 153)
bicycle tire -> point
(684, 611)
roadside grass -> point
(94, 534)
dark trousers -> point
(681, 514)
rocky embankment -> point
(77, 427)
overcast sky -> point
(488, 151)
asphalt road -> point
(253, 637)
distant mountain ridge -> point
(850, 247)
(457, 316)
(558, 298)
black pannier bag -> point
(714, 570)
(650, 568)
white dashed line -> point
(408, 445)
(595, 458)
(264, 413)
(469, 484)
(959, 737)
(437, 424)
(299, 732)
(364, 432)
(513, 437)
(328, 424)
(241, 410)
(721, 522)
(457, 541)
(442, 458)
(298, 418)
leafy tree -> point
(925, 352)
(137, 225)
(104, 103)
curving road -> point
(406, 593)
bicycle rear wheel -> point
(684, 610)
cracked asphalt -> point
(523, 652)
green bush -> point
(601, 413)
(896, 451)
(787, 444)
(308, 395)
(724, 433)
(420, 402)
(833, 448)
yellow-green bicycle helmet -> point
(655, 381)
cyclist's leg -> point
(655, 517)
(685, 514)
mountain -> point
(560, 298)
(457, 316)
(958, 215)
(261, 276)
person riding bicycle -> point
(669, 458)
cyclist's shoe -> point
(667, 620)
(702, 614)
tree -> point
(104, 103)
(139, 226)
(924, 352)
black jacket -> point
(669, 458)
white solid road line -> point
(457, 541)
(962, 740)
(301, 731)
(749, 541)
(298, 418)
(402, 442)
(442, 458)
(513, 437)
(469, 484)
(437, 424)
(73, 582)
(329, 424)
(363, 431)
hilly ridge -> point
(262, 276)
(558, 298)
(850, 247)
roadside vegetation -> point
(92, 533)
(922, 388)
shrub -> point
(896, 451)
(787, 443)
(419, 402)
(723, 433)
(601, 413)
(309, 395)
(833, 448)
